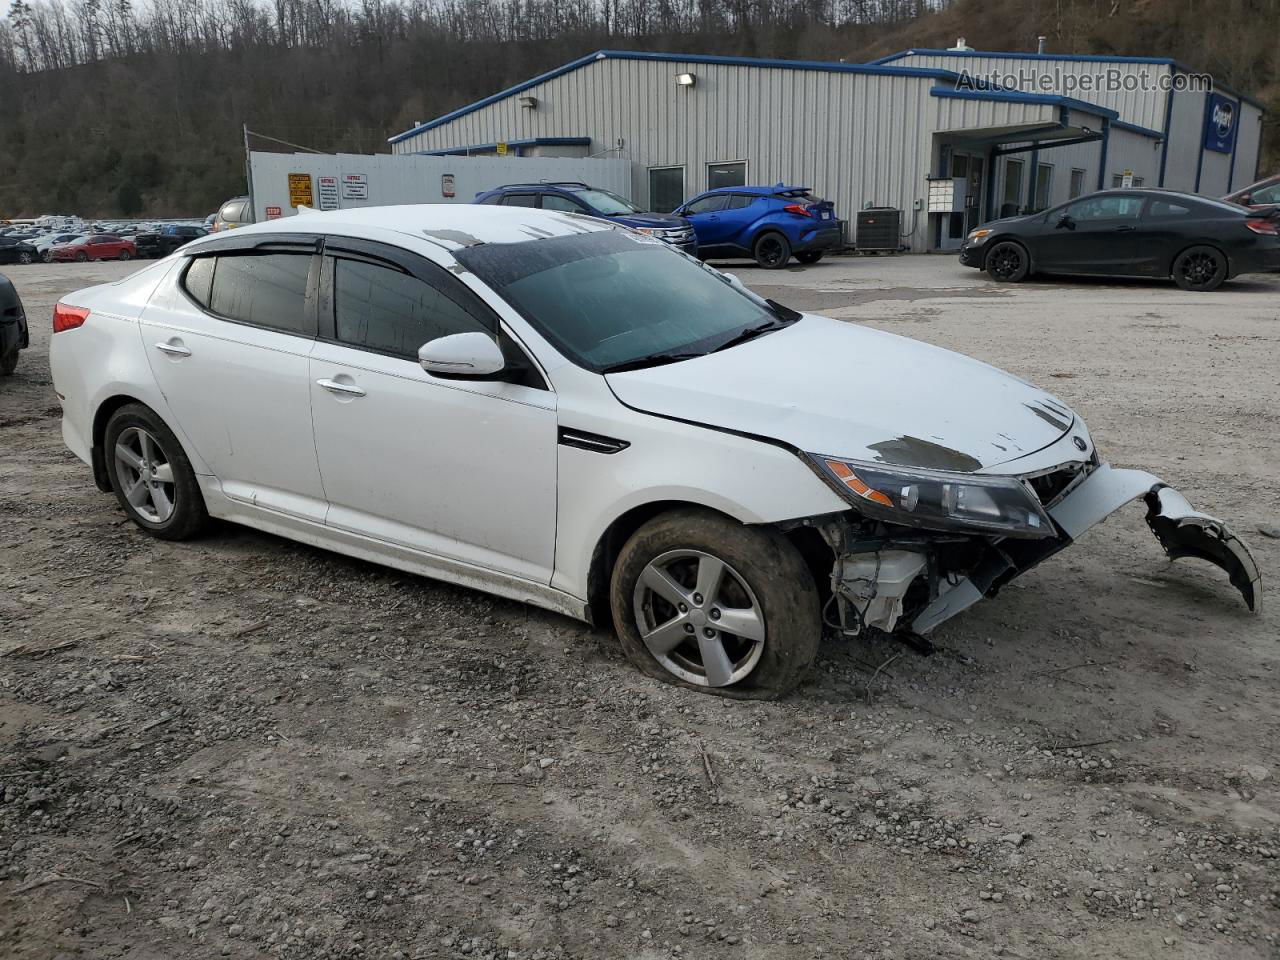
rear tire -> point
(764, 589)
(1200, 268)
(81, 257)
(1008, 262)
(151, 475)
(813, 256)
(25, 258)
(771, 250)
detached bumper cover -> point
(1181, 530)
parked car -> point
(1263, 195)
(97, 246)
(678, 455)
(45, 244)
(236, 212)
(167, 239)
(17, 250)
(1198, 242)
(13, 326)
(572, 197)
(768, 224)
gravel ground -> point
(245, 747)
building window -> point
(731, 174)
(1044, 186)
(1012, 188)
(1077, 183)
(666, 188)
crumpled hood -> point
(846, 390)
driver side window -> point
(1105, 207)
(386, 310)
(1269, 194)
(709, 204)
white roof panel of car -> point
(453, 225)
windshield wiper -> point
(758, 330)
(653, 360)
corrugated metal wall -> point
(961, 115)
(1146, 108)
(1248, 137)
(1132, 151)
(394, 179)
(856, 139)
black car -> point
(167, 240)
(1130, 233)
(17, 250)
(574, 197)
(13, 326)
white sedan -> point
(562, 411)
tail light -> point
(1268, 228)
(68, 318)
(797, 210)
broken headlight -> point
(938, 499)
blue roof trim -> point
(1013, 96)
(1134, 128)
(486, 147)
(1069, 57)
(826, 66)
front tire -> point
(1008, 262)
(771, 250)
(702, 601)
(1200, 268)
(151, 475)
(124, 255)
(25, 258)
(81, 257)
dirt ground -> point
(244, 747)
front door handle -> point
(173, 349)
(345, 389)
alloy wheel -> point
(770, 251)
(1005, 261)
(1199, 268)
(145, 474)
(699, 618)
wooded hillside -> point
(107, 108)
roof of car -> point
(555, 185)
(759, 191)
(454, 225)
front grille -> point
(678, 236)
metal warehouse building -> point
(925, 132)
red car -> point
(99, 246)
(1263, 195)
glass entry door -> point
(971, 168)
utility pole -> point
(248, 172)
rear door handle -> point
(345, 389)
(173, 349)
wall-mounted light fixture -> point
(529, 103)
(686, 79)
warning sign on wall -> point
(328, 189)
(446, 185)
(300, 190)
(273, 213)
(355, 186)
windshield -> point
(610, 204)
(613, 297)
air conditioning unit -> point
(879, 230)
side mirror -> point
(462, 356)
(1066, 221)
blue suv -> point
(768, 224)
(574, 197)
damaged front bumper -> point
(907, 585)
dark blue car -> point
(592, 202)
(768, 224)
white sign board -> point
(328, 192)
(355, 186)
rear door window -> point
(385, 309)
(739, 200)
(556, 201)
(198, 280)
(265, 290)
(520, 200)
